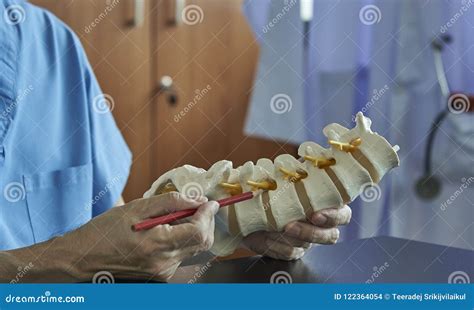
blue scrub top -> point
(62, 157)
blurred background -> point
(194, 82)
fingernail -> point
(294, 230)
(299, 253)
(214, 206)
(336, 235)
(319, 219)
(201, 199)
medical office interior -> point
(197, 82)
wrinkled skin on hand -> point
(110, 244)
(291, 244)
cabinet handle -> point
(167, 88)
(179, 7)
(174, 9)
(138, 14)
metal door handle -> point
(167, 88)
(138, 13)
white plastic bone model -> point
(321, 178)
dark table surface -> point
(379, 260)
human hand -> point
(297, 237)
(109, 244)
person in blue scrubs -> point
(64, 164)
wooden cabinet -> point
(211, 63)
(216, 51)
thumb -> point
(204, 216)
(168, 203)
(204, 220)
(191, 237)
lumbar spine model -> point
(290, 189)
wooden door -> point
(119, 51)
(211, 57)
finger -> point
(282, 251)
(189, 237)
(332, 217)
(171, 237)
(166, 203)
(204, 216)
(277, 236)
(277, 255)
(259, 243)
(177, 242)
(185, 205)
(184, 202)
(166, 273)
(311, 233)
(198, 234)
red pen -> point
(168, 218)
